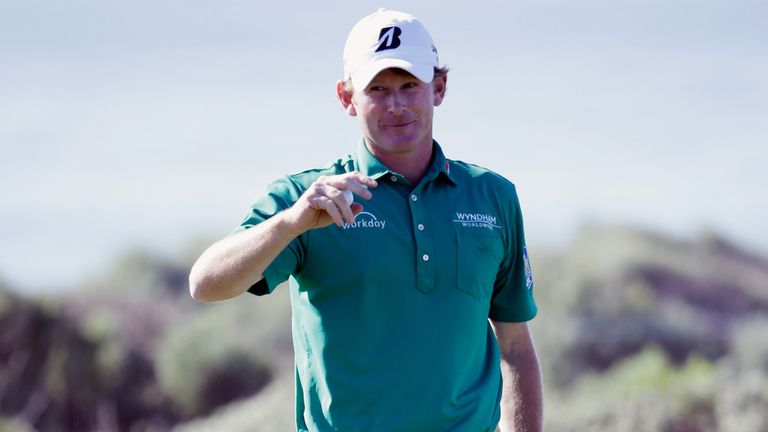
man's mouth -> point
(400, 125)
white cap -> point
(388, 39)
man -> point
(392, 289)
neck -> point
(412, 164)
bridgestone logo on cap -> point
(389, 38)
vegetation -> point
(636, 332)
(204, 364)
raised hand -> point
(329, 200)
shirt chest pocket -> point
(479, 254)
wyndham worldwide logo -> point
(476, 220)
(366, 220)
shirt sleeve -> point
(279, 195)
(512, 299)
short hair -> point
(439, 71)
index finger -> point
(362, 179)
(359, 189)
(356, 183)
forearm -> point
(233, 264)
(521, 400)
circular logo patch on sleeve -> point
(528, 272)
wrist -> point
(287, 223)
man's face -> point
(395, 111)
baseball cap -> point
(388, 39)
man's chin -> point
(398, 144)
(403, 141)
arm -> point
(521, 400)
(232, 265)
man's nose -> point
(396, 103)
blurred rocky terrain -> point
(131, 351)
(641, 332)
(636, 332)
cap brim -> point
(362, 77)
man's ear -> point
(439, 84)
(345, 97)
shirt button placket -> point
(424, 268)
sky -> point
(153, 125)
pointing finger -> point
(359, 189)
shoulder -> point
(479, 176)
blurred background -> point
(132, 135)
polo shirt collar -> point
(369, 165)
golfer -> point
(409, 278)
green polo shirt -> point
(390, 314)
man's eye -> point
(410, 85)
(377, 88)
